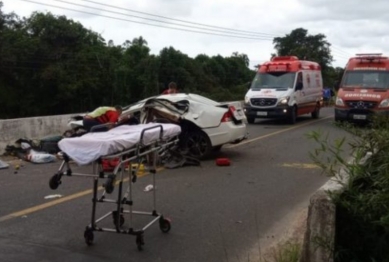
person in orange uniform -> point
(102, 115)
(172, 89)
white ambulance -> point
(285, 87)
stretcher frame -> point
(127, 157)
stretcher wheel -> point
(140, 242)
(121, 219)
(109, 185)
(164, 224)
(88, 236)
(55, 181)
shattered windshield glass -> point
(273, 80)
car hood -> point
(268, 93)
(367, 94)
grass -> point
(289, 251)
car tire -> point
(293, 115)
(316, 113)
(196, 143)
(338, 119)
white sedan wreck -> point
(206, 125)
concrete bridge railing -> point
(31, 128)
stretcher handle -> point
(149, 128)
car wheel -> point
(338, 119)
(196, 143)
(316, 112)
(293, 115)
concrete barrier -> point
(319, 238)
(31, 128)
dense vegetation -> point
(362, 229)
(52, 65)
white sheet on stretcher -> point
(89, 147)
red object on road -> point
(223, 162)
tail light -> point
(227, 117)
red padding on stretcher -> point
(223, 162)
(110, 164)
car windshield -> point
(273, 80)
(370, 78)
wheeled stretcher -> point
(129, 146)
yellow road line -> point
(58, 201)
(300, 165)
(277, 132)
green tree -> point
(244, 58)
(178, 67)
(141, 73)
(16, 67)
(68, 63)
(53, 65)
(308, 47)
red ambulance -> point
(364, 89)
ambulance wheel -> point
(251, 120)
(164, 224)
(88, 236)
(338, 120)
(293, 115)
(140, 242)
(316, 113)
(55, 181)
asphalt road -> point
(217, 213)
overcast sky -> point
(244, 26)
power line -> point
(340, 55)
(160, 21)
(341, 51)
(132, 21)
(243, 34)
(178, 20)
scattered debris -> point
(36, 151)
(223, 162)
(3, 165)
(174, 158)
(149, 188)
(53, 196)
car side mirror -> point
(299, 86)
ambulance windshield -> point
(274, 80)
(366, 79)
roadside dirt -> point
(290, 230)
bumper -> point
(276, 112)
(227, 133)
(357, 115)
